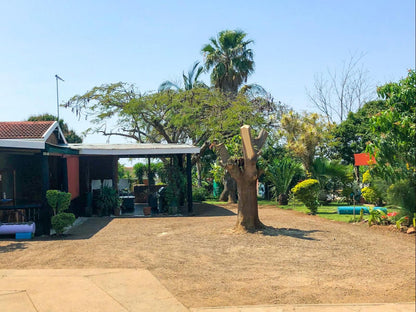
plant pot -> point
(147, 210)
(117, 211)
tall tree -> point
(339, 93)
(245, 173)
(230, 59)
(190, 80)
(184, 116)
(70, 135)
(395, 145)
(352, 135)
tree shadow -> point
(295, 233)
(208, 210)
(85, 230)
(12, 247)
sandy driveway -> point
(299, 259)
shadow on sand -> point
(86, 230)
(208, 210)
(12, 247)
(296, 233)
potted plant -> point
(108, 201)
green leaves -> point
(230, 59)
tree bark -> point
(248, 217)
(229, 194)
(245, 173)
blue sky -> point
(90, 43)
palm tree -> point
(230, 59)
(190, 80)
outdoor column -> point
(64, 174)
(189, 182)
(44, 226)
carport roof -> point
(130, 150)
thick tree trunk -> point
(245, 173)
(248, 217)
(230, 189)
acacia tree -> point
(183, 116)
(244, 172)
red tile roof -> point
(24, 129)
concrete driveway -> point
(122, 290)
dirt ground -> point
(202, 262)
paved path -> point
(84, 290)
(124, 290)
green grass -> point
(327, 211)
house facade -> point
(35, 157)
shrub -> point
(199, 194)
(370, 195)
(107, 200)
(402, 194)
(307, 192)
(60, 201)
(61, 221)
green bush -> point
(59, 201)
(370, 195)
(402, 194)
(107, 200)
(61, 221)
(307, 192)
(199, 194)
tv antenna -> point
(57, 94)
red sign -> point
(364, 159)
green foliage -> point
(139, 170)
(307, 192)
(190, 80)
(306, 136)
(402, 194)
(59, 201)
(367, 177)
(218, 172)
(52, 196)
(280, 173)
(182, 116)
(199, 194)
(376, 216)
(230, 59)
(107, 201)
(352, 135)
(61, 221)
(332, 176)
(394, 145)
(70, 135)
(370, 195)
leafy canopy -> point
(230, 59)
(183, 116)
